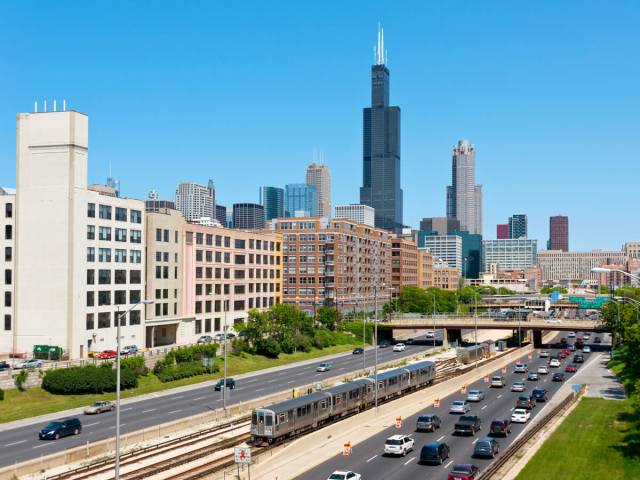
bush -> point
(20, 379)
(303, 343)
(1, 394)
(135, 364)
(287, 345)
(87, 379)
(323, 339)
(183, 370)
(191, 354)
(268, 347)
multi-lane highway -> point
(367, 457)
(22, 443)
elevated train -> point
(275, 422)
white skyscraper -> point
(318, 176)
(196, 201)
(464, 197)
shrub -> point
(184, 370)
(287, 345)
(268, 347)
(20, 379)
(303, 343)
(1, 394)
(135, 364)
(323, 339)
(87, 379)
(191, 353)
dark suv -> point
(540, 394)
(486, 447)
(526, 401)
(500, 428)
(434, 452)
(61, 428)
(428, 423)
(231, 384)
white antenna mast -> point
(45, 105)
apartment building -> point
(336, 263)
(7, 247)
(425, 268)
(557, 266)
(447, 248)
(404, 263)
(509, 254)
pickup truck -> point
(467, 425)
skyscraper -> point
(439, 225)
(301, 200)
(272, 199)
(559, 233)
(518, 226)
(502, 231)
(381, 149)
(115, 184)
(196, 201)
(318, 176)
(464, 197)
(248, 216)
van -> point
(60, 428)
(434, 452)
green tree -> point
(328, 317)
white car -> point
(518, 387)
(520, 368)
(399, 347)
(520, 415)
(497, 381)
(586, 349)
(571, 334)
(398, 445)
(459, 406)
(544, 354)
(543, 370)
(586, 336)
(342, 475)
(554, 363)
(323, 367)
(430, 335)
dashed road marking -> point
(372, 458)
(147, 411)
(409, 461)
(483, 407)
(173, 411)
(499, 396)
(259, 389)
(91, 424)
(15, 443)
(440, 439)
(125, 409)
(43, 445)
(474, 442)
(448, 464)
(199, 398)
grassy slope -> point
(35, 401)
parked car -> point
(558, 377)
(358, 351)
(540, 394)
(464, 471)
(520, 415)
(500, 428)
(554, 363)
(543, 370)
(341, 475)
(475, 395)
(99, 407)
(205, 339)
(231, 335)
(399, 347)
(467, 425)
(497, 381)
(526, 401)
(129, 350)
(429, 423)
(586, 349)
(544, 354)
(323, 367)
(520, 368)
(578, 358)
(4, 366)
(31, 363)
(486, 447)
(518, 387)
(459, 406)
(61, 428)
(398, 445)
(107, 355)
(434, 453)
(231, 384)
(571, 368)
(533, 376)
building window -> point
(136, 216)
(158, 309)
(8, 254)
(8, 210)
(121, 214)
(104, 320)
(207, 306)
(105, 212)
(135, 276)
(90, 299)
(176, 236)
(135, 256)
(120, 297)
(158, 234)
(165, 257)
(239, 243)
(198, 307)
(209, 239)
(104, 297)
(104, 254)
(121, 234)
(165, 309)
(218, 240)
(158, 256)
(89, 325)
(105, 233)
(134, 296)
(238, 305)
(120, 277)
(121, 255)
(135, 236)
(198, 255)
(198, 327)
(165, 235)
(134, 317)
(7, 277)
(8, 232)
(239, 259)
(91, 277)
(239, 274)
(207, 325)
(209, 256)
(91, 210)
(158, 271)
(165, 272)
(91, 232)
(238, 289)
(227, 242)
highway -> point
(367, 458)
(22, 443)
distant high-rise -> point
(318, 176)
(248, 216)
(518, 226)
(362, 214)
(381, 149)
(439, 225)
(115, 184)
(196, 201)
(502, 231)
(464, 197)
(221, 215)
(301, 200)
(559, 233)
(272, 199)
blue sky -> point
(242, 92)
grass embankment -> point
(35, 401)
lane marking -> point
(372, 458)
(125, 409)
(197, 398)
(474, 442)
(499, 396)
(15, 443)
(483, 407)
(173, 411)
(409, 461)
(91, 424)
(150, 410)
(259, 389)
(440, 439)
(448, 464)
(290, 382)
(512, 408)
(40, 446)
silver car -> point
(459, 406)
(475, 396)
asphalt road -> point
(367, 458)
(22, 443)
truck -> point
(467, 425)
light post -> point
(433, 318)
(224, 346)
(119, 317)
(375, 343)
(610, 270)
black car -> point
(486, 447)
(4, 366)
(467, 425)
(358, 351)
(540, 394)
(60, 428)
(500, 428)
(231, 384)
(384, 344)
(578, 358)
(428, 423)
(434, 452)
(558, 377)
(526, 401)
(409, 341)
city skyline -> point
(551, 149)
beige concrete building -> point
(7, 247)
(318, 176)
(632, 249)
(404, 263)
(574, 267)
(445, 276)
(425, 268)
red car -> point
(107, 354)
(570, 369)
(562, 355)
(464, 471)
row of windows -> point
(104, 319)
(164, 257)
(104, 212)
(238, 259)
(162, 235)
(217, 305)
(120, 234)
(163, 272)
(104, 255)
(119, 297)
(7, 322)
(163, 309)
(238, 274)
(164, 293)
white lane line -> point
(448, 464)
(512, 408)
(259, 389)
(15, 443)
(173, 411)
(150, 410)
(372, 458)
(483, 407)
(474, 442)
(409, 461)
(125, 409)
(43, 445)
(178, 397)
(290, 382)
(113, 426)
(499, 396)
(440, 439)
(91, 424)
(197, 398)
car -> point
(231, 335)
(520, 415)
(520, 368)
(567, 352)
(99, 407)
(428, 423)
(571, 334)
(533, 376)
(399, 347)
(459, 406)
(518, 387)
(526, 401)
(4, 366)
(558, 377)
(586, 336)
(323, 367)
(597, 340)
(544, 354)
(463, 471)
(129, 350)
(358, 351)
(342, 475)
(434, 453)
(543, 370)
(207, 338)
(497, 381)
(31, 363)
(561, 356)
(430, 335)
(554, 363)
(540, 394)
(231, 384)
(384, 344)
(578, 358)
(467, 425)
(563, 341)
(107, 355)
(398, 445)
(409, 341)
(475, 395)
(486, 447)
(586, 349)
(500, 428)
(60, 428)
(571, 368)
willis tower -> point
(381, 149)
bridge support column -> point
(452, 335)
(537, 338)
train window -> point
(369, 388)
(393, 380)
(268, 421)
(254, 418)
(282, 418)
(323, 405)
(338, 400)
(380, 385)
(299, 412)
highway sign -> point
(242, 455)
(346, 449)
(398, 422)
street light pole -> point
(475, 321)
(224, 385)
(375, 343)
(118, 320)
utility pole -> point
(224, 385)
(375, 342)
